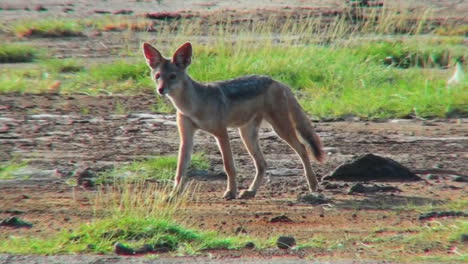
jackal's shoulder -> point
(244, 87)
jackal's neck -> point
(190, 97)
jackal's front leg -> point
(186, 132)
(222, 139)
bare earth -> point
(53, 134)
(50, 132)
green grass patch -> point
(358, 71)
(133, 213)
(15, 52)
(7, 169)
(69, 65)
(157, 168)
(47, 28)
(135, 232)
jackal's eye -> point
(157, 76)
(172, 76)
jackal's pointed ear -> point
(152, 55)
(183, 56)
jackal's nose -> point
(161, 90)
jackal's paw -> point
(229, 195)
(246, 194)
(314, 187)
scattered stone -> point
(121, 249)
(85, 177)
(146, 248)
(163, 15)
(101, 12)
(286, 242)
(330, 186)
(91, 246)
(435, 214)
(12, 211)
(281, 219)
(40, 8)
(240, 230)
(250, 245)
(360, 188)
(371, 167)
(432, 177)
(15, 222)
(460, 179)
(164, 247)
(123, 12)
(314, 199)
(464, 238)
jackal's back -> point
(243, 88)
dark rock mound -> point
(285, 242)
(371, 167)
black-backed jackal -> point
(243, 102)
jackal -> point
(243, 103)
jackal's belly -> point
(239, 116)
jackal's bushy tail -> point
(306, 131)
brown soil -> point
(50, 132)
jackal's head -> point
(169, 75)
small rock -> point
(123, 12)
(121, 249)
(330, 186)
(40, 8)
(14, 211)
(464, 238)
(164, 247)
(286, 242)
(281, 219)
(432, 177)
(15, 222)
(250, 245)
(360, 188)
(163, 15)
(101, 12)
(460, 179)
(240, 230)
(315, 199)
(146, 248)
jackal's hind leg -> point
(285, 130)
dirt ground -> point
(56, 138)
(50, 132)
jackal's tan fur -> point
(242, 103)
